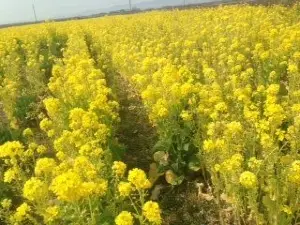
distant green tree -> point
(272, 2)
(284, 2)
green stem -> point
(141, 194)
(92, 212)
(140, 217)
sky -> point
(12, 11)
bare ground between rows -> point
(135, 131)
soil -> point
(135, 131)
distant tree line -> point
(273, 2)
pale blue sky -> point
(21, 10)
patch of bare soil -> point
(135, 131)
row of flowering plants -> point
(223, 94)
(63, 171)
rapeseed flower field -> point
(221, 89)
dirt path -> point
(135, 131)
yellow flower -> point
(139, 179)
(248, 180)
(51, 214)
(90, 120)
(280, 134)
(88, 150)
(232, 164)
(294, 172)
(119, 168)
(35, 189)
(124, 189)
(254, 163)
(52, 106)
(186, 89)
(27, 132)
(90, 188)
(46, 124)
(160, 109)
(152, 212)
(67, 186)
(186, 116)
(233, 128)
(273, 75)
(21, 212)
(51, 133)
(11, 175)
(275, 113)
(162, 112)
(101, 187)
(208, 145)
(217, 167)
(11, 149)
(75, 118)
(124, 218)
(287, 210)
(84, 167)
(44, 166)
(41, 149)
(292, 68)
(61, 155)
(209, 73)
(221, 107)
(33, 146)
(6, 203)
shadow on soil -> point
(135, 131)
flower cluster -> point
(248, 179)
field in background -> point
(137, 10)
(165, 117)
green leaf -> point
(186, 147)
(175, 166)
(284, 219)
(117, 150)
(162, 145)
(161, 157)
(179, 180)
(194, 164)
(106, 217)
(23, 106)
